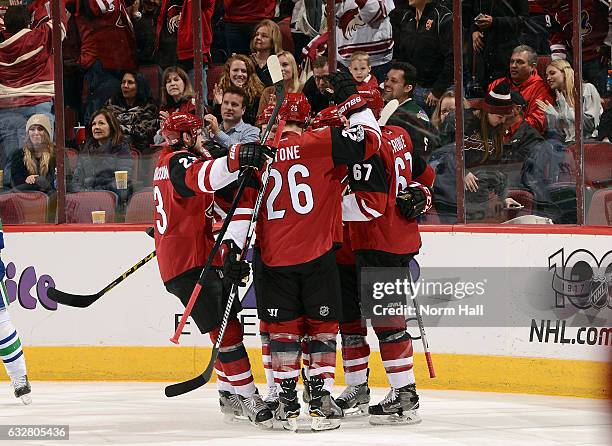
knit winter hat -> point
(498, 101)
(41, 120)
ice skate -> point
(354, 400)
(398, 407)
(23, 389)
(289, 407)
(324, 411)
(271, 399)
(230, 407)
(256, 410)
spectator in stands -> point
(525, 144)
(560, 117)
(33, 167)
(26, 78)
(148, 50)
(364, 25)
(604, 132)
(177, 93)
(423, 36)
(185, 40)
(135, 110)
(290, 78)
(525, 79)
(445, 105)
(266, 41)
(537, 26)
(105, 152)
(241, 18)
(594, 24)
(239, 71)
(315, 85)
(495, 29)
(360, 68)
(233, 130)
(108, 47)
(399, 84)
(486, 185)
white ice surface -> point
(140, 414)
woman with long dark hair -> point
(105, 152)
(136, 111)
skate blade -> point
(361, 410)
(26, 399)
(266, 425)
(408, 417)
(230, 418)
(290, 424)
(324, 424)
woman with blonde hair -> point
(267, 40)
(560, 117)
(33, 168)
(290, 78)
(239, 71)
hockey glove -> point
(234, 270)
(213, 150)
(250, 155)
(344, 93)
(414, 200)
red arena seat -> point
(23, 207)
(80, 205)
(141, 209)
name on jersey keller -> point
(161, 173)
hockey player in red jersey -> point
(389, 241)
(296, 280)
(184, 181)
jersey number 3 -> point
(162, 221)
(298, 192)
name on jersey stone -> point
(287, 153)
(161, 173)
(398, 143)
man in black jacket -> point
(313, 88)
(423, 35)
(495, 28)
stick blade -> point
(185, 386)
(71, 300)
(388, 111)
(274, 68)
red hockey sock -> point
(355, 352)
(396, 354)
(322, 348)
(235, 365)
(285, 349)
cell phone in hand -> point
(478, 17)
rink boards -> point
(124, 336)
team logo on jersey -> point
(324, 310)
(273, 312)
(585, 24)
(428, 24)
(350, 22)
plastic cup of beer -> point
(121, 178)
(98, 217)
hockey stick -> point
(277, 78)
(85, 300)
(417, 312)
(204, 377)
(388, 111)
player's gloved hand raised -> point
(344, 93)
(249, 155)
(414, 200)
(234, 270)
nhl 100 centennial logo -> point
(582, 279)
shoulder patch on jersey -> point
(422, 115)
(356, 133)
